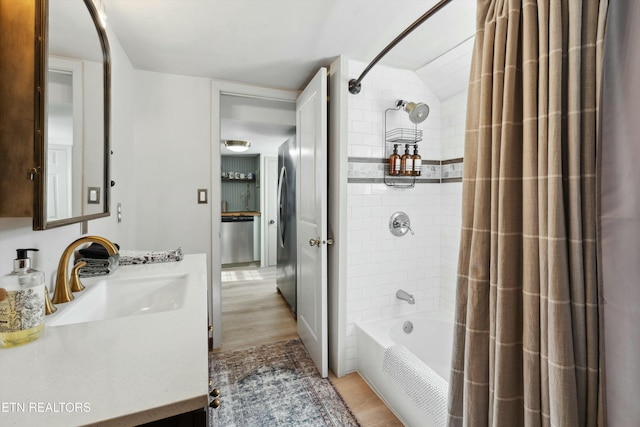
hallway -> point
(254, 313)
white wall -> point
(173, 160)
(123, 162)
(17, 232)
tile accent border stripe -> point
(367, 170)
(381, 181)
(451, 161)
(452, 170)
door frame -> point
(338, 215)
(219, 88)
(269, 192)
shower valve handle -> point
(403, 224)
(400, 224)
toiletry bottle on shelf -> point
(417, 162)
(21, 303)
(394, 162)
(406, 162)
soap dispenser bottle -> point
(394, 162)
(21, 303)
(406, 162)
(417, 162)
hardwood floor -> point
(254, 313)
(363, 402)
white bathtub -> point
(415, 390)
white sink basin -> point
(111, 298)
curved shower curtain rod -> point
(355, 84)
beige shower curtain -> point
(527, 327)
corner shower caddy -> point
(400, 136)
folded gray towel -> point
(98, 267)
(131, 257)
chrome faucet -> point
(63, 291)
(405, 296)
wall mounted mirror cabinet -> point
(73, 184)
(67, 154)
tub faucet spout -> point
(405, 296)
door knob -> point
(314, 242)
(272, 222)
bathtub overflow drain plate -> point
(407, 327)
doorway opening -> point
(311, 128)
(251, 309)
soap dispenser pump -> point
(22, 302)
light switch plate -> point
(93, 195)
(202, 195)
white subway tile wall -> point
(454, 111)
(379, 263)
(423, 264)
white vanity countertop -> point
(122, 371)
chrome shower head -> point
(418, 112)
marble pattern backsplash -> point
(452, 170)
(372, 170)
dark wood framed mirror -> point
(72, 150)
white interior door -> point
(311, 208)
(59, 181)
(271, 214)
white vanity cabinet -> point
(128, 370)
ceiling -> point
(265, 138)
(282, 43)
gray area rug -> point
(274, 385)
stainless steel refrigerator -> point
(286, 264)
